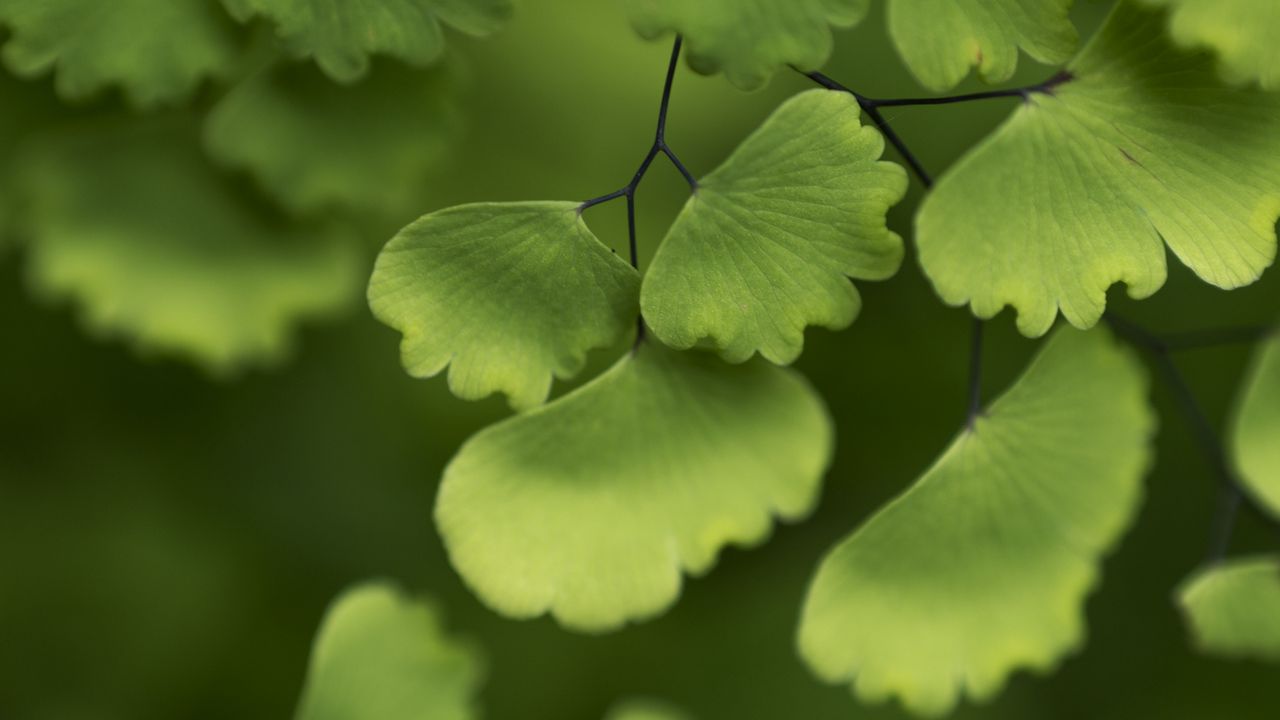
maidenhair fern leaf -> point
(768, 242)
(1242, 33)
(1256, 434)
(1233, 609)
(982, 566)
(1084, 187)
(592, 506)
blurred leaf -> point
(941, 39)
(157, 51)
(1242, 33)
(1256, 432)
(341, 36)
(1077, 190)
(134, 224)
(982, 566)
(485, 289)
(644, 709)
(1234, 608)
(768, 242)
(590, 507)
(380, 655)
(748, 40)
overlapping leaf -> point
(941, 39)
(1085, 187)
(1256, 432)
(1242, 33)
(748, 39)
(1233, 609)
(592, 506)
(769, 240)
(983, 565)
(507, 295)
(341, 36)
(135, 226)
(381, 654)
(155, 50)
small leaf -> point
(941, 39)
(748, 39)
(156, 50)
(341, 36)
(767, 244)
(380, 654)
(591, 507)
(983, 565)
(506, 294)
(1255, 439)
(1084, 187)
(1242, 33)
(1233, 609)
(644, 709)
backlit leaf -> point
(1242, 32)
(1233, 609)
(1256, 433)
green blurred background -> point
(169, 540)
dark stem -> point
(975, 374)
(1024, 93)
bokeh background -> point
(169, 538)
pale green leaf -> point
(157, 51)
(769, 240)
(1243, 33)
(645, 709)
(317, 145)
(1084, 187)
(1255, 439)
(380, 655)
(134, 225)
(982, 566)
(1233, 609)
(748, 39)
(506, 295)
(341, 36)
(940, 40)
(591, 507)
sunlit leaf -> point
(645, 709)
(1242, 32)
(748, 39)
(982, 566)
(341, 36)
(1084, 187)
(768, 242)
(1256, 433)
(592, 506)
(1233, 609)
(381, 654)
(156, 50)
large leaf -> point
(769, 240)
(156, 50)
(380, 654)
(1233, 609)
(134, 225)
(316, 145)
(1079, 187)
(507, 295)
(941, 39)
(1242, 32)
(1256, 431)
(341, 36)
(591, 507)
(748, 39)
(983, 565)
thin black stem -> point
(1024, 93)
(975, 374)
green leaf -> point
(133, 224)
(316, 145)
(591, 506)
(1255, 439)
(1079, 187)
(768, 242)
(644, 709)
(381, 654)
(1233, 609)
(1242, 33)
(982, 566)
(748, 39)
(341, 36)
(156, 50)
(941, 39)
(506, 295)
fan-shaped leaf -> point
(983, 565)
(1256, 432)
(505, 294)
(767, 244)
(591, 507)
(1077, 190)
(1242, 32)
(1234, 608)
(380, 654)
(748, 39)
